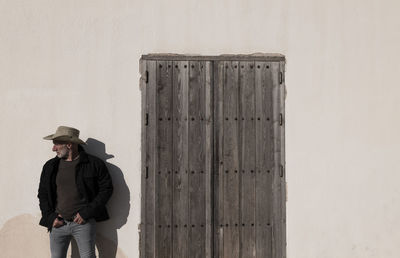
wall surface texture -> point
(76, 63)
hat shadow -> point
(118, 206)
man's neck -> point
(73, 155)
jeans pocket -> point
(55, 228)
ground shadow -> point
(118, 206)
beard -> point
(63, 153)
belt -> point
(67, 219)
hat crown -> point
(66, 131)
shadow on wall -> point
(118, 206)
(21, 236)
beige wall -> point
(76, 63)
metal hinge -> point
(147, 77)
(147, 172)
(280, 119)
(147, 119)
(281, 171)
(280, 77)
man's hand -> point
(58, 223)
(78, 219)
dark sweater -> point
(69, 200)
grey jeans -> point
(84, 235)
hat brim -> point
(64, 139)
(49, 137)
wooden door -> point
(212, 157)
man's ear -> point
(69, 145)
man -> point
(74, 188)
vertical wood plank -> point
(209, 122)
(180, 159)
(248, 154)
(151, 160)
(231, 161)
(264, 159)
(282, 96)
(143, 226)
(197, 159)
(164, 92)
(276, 187)
(219, 79)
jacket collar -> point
(83, 157)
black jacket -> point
(93, 182)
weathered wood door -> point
(213, 181)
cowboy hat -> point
(66, 134)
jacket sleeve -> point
(48, 212)
(105, 189)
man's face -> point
(61, 149)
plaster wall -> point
(76, 63)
